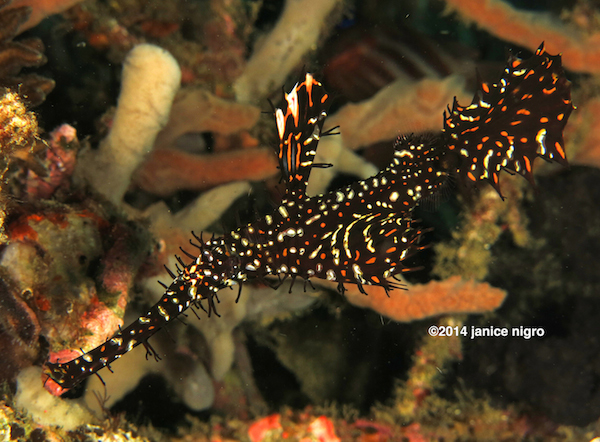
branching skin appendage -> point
(359, 234)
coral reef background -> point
(190, 148)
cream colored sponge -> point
(151, 77)
(46, 409)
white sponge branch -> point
(151, 77)
(296, 32)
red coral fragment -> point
(261, 428)
(21, 231)
(41, 302)
(323, 429)
(51, 386)
(63, 355)
(158, 28)
(99, 320)
(59, 163)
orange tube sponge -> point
(451, 296)
(400, 107)
(167, 171)
(197, 110)
(40, 9)
(580, 51)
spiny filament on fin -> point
(359, 234)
